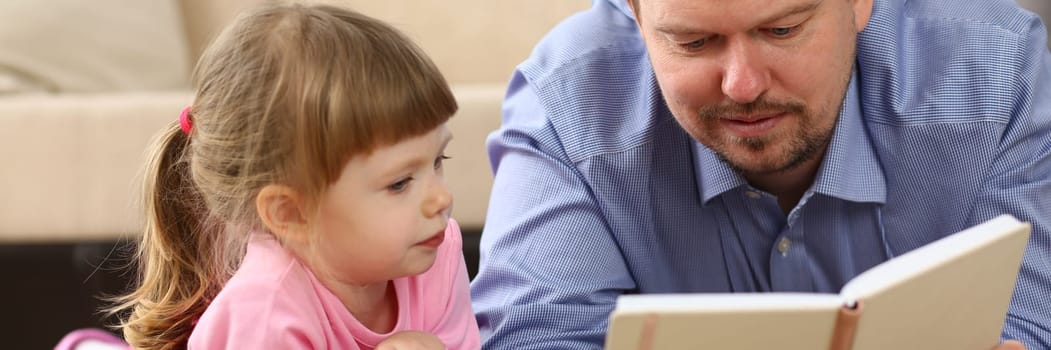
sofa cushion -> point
(91, 46)
(78, 179)
(67, 178)
(473, 41)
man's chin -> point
(760, 163)
(752, 170)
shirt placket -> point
(789, 262)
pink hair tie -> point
(184, 121)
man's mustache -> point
(760, 106)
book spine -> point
(846, 326)
(649, 327)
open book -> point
(950, 294)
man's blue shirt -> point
(599, 191)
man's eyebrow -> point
(686, 30)
(674, 29)
(800, 8)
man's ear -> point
(862, 13)
(282, 210)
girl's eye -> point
(400, 185)
(438, 161)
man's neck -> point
(789, 185)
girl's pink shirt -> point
(275, 302)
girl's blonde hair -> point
(286, 95)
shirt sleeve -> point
(1019, 183)
(550, 271)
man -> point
(755, 145)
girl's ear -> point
(282, 211)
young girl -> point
(300, 202)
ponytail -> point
(179, 255)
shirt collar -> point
(714, 176)
(623, 6)
(850, 170)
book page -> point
(711, 302)
(950, 294)
(784, 321)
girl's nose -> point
(439, 199)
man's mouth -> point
(752, 125)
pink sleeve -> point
(457, 328)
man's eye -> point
(400, 185)
(782, 32)
(696, 44)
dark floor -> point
(55, 288)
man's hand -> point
(1010, 345)
(413, 340)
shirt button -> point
(783, 245)
(753, 194)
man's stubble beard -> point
(805, 144)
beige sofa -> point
(83, 88)
(84, 85)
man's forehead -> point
(701, 16)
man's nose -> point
(745, 76)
